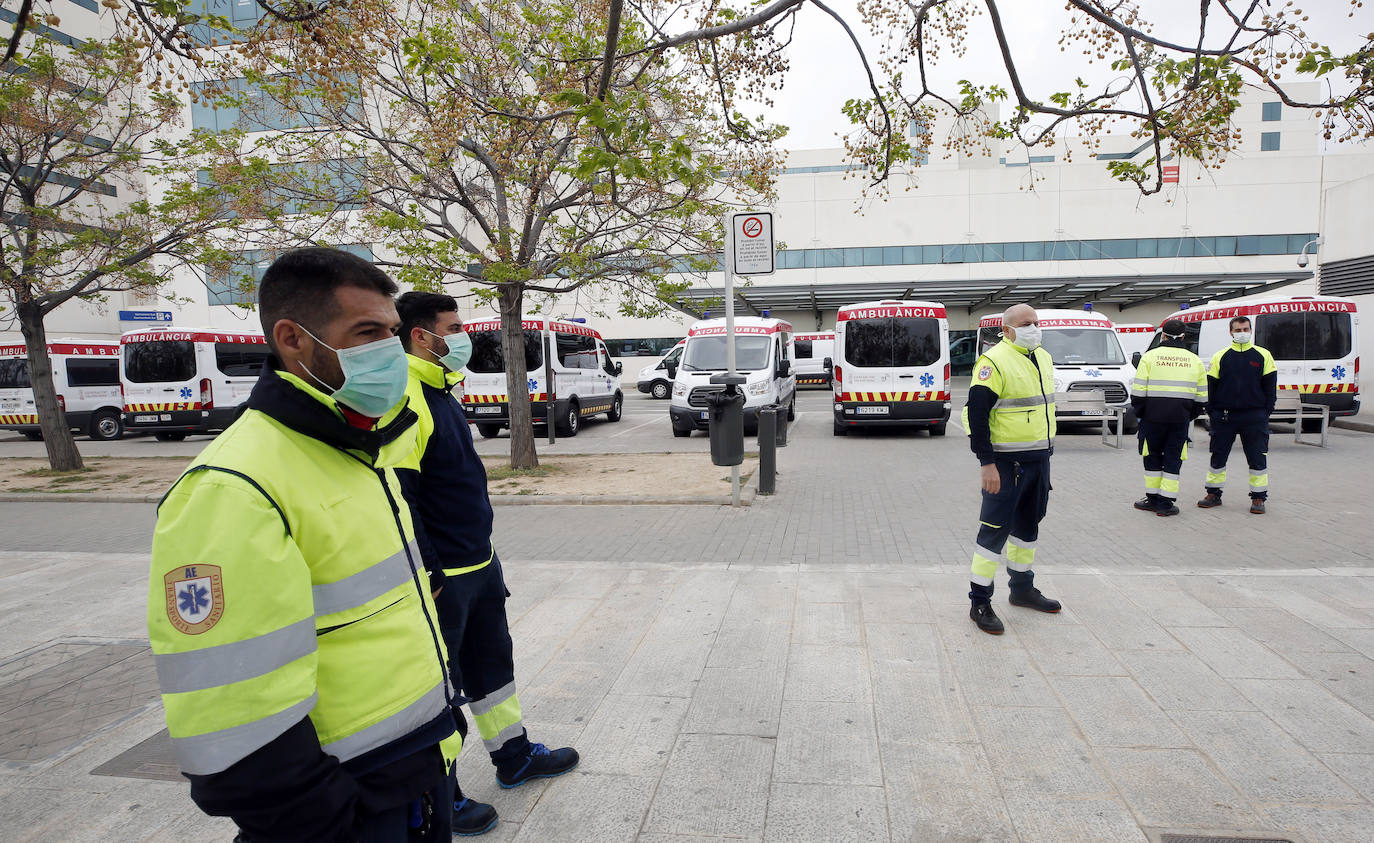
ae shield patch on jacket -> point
(195, 597)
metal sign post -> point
(730, 331)
(748, 251)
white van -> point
(763, 354)
(812, 351)
(585, 379)
(653, 378)
(1087, 355)
(178, 382)
(891, 366)
(1134, 336)
(1314, 341)
(85, 374)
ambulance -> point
(891, 366)
(1314, 341)
(585, 379)
(1087, 355)
(1134, 337)
(812, 351)
(179, 381)
(85, 374)
(653, 378)
(763, 354)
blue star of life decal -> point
(193, 599)
(1093, 373)
(1338, 372)
(186, 392)
(927, 380)
(534, 384)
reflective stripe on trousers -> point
(498, 717)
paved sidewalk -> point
(804, 670)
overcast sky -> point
(826, 71)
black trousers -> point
(472, 619)
(1010, 519)
(1252, 426)
(1161, 448)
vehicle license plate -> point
(488, 411)
(144, 419)
(705, 415)
(871, 411)
(1092, 412)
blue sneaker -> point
(471, 818)
(538, 762)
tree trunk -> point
(57, 436)
(511, 302)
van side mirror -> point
(671, 366)
(784, 368)
(829, 365)
(619, 368)
(1135, 359)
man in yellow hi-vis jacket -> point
(1169, 391)
(292, 625)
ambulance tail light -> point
(62, 402)
(1355, 381)
(839, 376)
(946, 374)
(207, 395)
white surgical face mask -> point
(1027, 337)
(1241, 337)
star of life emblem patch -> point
(984, 373)
(195, 597)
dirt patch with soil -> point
(632, 475)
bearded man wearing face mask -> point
(1010, 422)
(291, 623)
(446, 485)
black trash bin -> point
(726, 421)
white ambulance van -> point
(1314, 340)
(812, 351)
(1134, 336)
(653, 378)
(179, 381)
(891, 366)
(1087, 355)
(85, 374)
(763, 354)
(586, 380)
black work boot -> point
(987, 620)
(1031, 598)
(470, 817)
(1166, 508)
(1257, 506)
(1149, 503)
(1212, 499)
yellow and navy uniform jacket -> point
(1170, 385)
(1242, 377)
(443, 479)
(1010, 410)
(294, 638)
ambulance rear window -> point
(1304, 336)
(14, 373)
(92, 372)
(802, 349)
(487, 358)
(163, 361)
(882, 343)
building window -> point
(240, 284)
(1269, 142)
(1272, 111)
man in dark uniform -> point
(1169, 391)
(1242, 387)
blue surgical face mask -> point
(375, 375)
(459, 349)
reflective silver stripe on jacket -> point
(1037, 445)
(214, 752)
(1154, 382)
(372, 582)
(1032, 401)
(196, 670)
(398, 725)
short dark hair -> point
(422, 310)
(1173, 327)
(1236, 320)
(300, 285)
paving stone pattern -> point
(805, 670)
